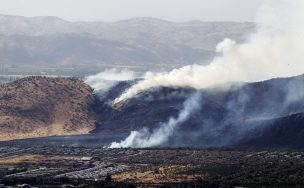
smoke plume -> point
(145, 138)
(105, 80)
(274, 50)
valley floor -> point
(93, 166)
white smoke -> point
(274, 50)
(145, 138)
(105, 80)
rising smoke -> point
(107, 79)
(144, 138)
(274, 50)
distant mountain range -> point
(138, 42)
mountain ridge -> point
(140, 43)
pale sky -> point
(113, 10)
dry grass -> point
(53, 130)
(38, 107)
(161, 174)
(29, 158)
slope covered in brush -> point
(41, 106)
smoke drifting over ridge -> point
(144, 138)
(225, 117)
(105, 80)
(274, 50)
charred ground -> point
(263, 115)
(97, 167)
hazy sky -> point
(112, 10)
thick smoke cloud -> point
(144, 138)
(274, 50)
(228, 117)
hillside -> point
(266, 114)
(262, 115)
(41, 106)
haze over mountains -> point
(249, 95)
(144, 43)
(149, 102)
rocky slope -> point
(41, 106)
